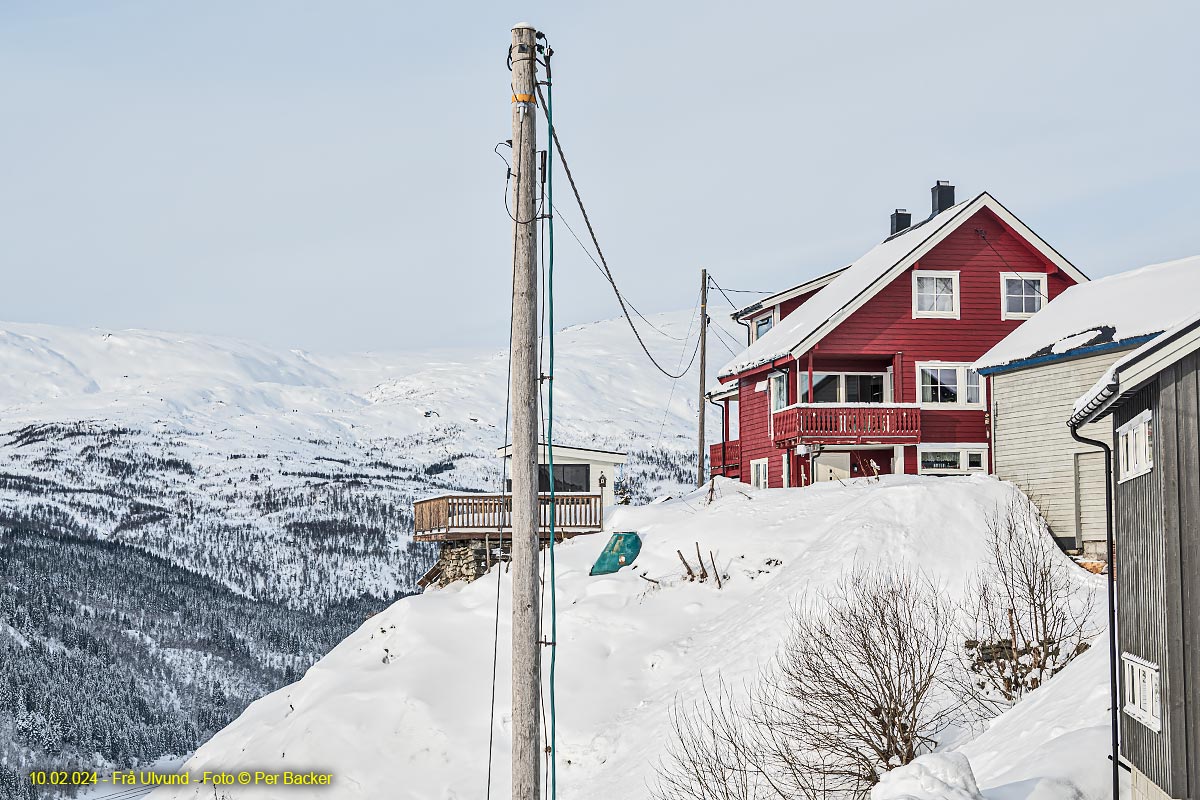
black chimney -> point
(901, 219)
(943, 196)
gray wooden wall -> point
(1157, 527)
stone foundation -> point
(463, 561)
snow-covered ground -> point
(400, 708)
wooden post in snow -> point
(703, 348)
(523, 388)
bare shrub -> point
(714, 753)
(1025, 616)
(855, 691)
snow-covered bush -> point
(1026, 615)
(855, 691)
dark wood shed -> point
(1153, 399)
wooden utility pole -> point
(523, 388)
(703, 352)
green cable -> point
(550, 432)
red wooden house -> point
(866, 370)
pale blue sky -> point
(321, 175)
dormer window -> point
(763, 324)
(1022, 294)
(935, 294)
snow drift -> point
(400, 708)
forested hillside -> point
(188, 523)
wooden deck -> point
(478, 516)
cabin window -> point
(759, 472)
(778, 391)
(935, 293)
(567, 478)
(1143, 691)
(1135, 446)
(949, 385)
(950, 460)
(1022, 294)
(763, 324)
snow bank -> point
(400, 708)
(1053, 745)
(935, 776)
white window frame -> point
(964, 451)
(774, 317)
(765, 465)
(1040, 277)
(1142, 695)
(954, 275)
(1135, 446)
(773, 380)
(963, 371)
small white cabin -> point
(577, 470)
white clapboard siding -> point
(1034, 448)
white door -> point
(832, 467)
(759, 473)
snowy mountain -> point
(400, 709)
(188, 522)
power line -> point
(604, 262)
(721, 337)
(588, 253)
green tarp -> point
(620, 551)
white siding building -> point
(1038, 371)
(1033, 448)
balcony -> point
(834, 423)
(456, 517)
(726, 459)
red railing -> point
(829, 423)
(728, 462)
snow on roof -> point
(848, 285)
(1130, 371)
(787, 294)
(1111, 310)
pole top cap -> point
(521, 25)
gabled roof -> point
(787, 294)
(863, 279)
(1116, 312)
(1130, 373)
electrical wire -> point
(982, 234)
(500, 537)
(722, 338)
(588, 253)
(675, 381)
(552, 747)
(603, 261)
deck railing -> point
(830, 423)
(481, 513)
(725, 458)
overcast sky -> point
(321, 174)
